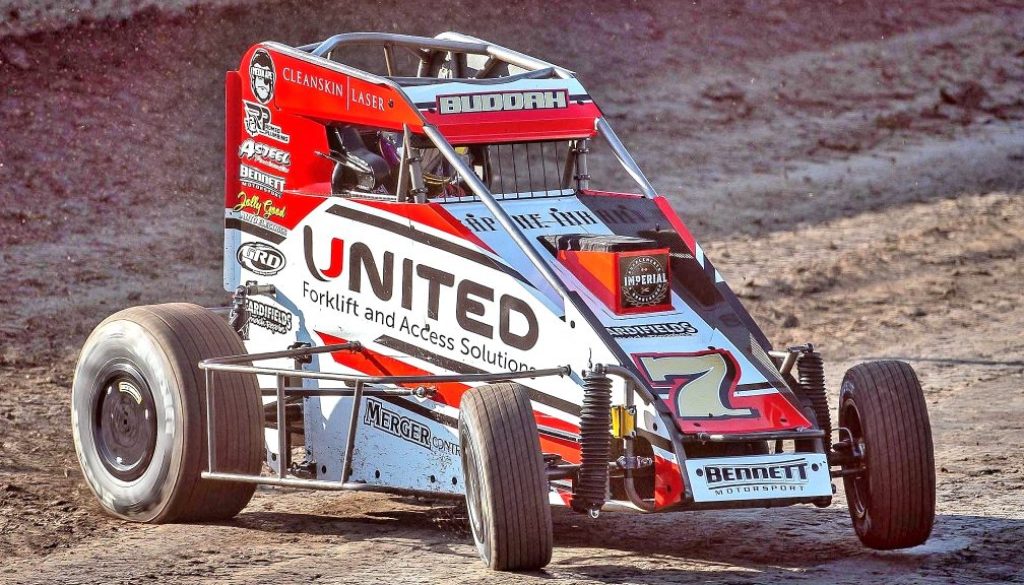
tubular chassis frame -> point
(357, 389)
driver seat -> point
(356, 166)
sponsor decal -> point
(265, 154)
(257, 123)
(257, 221)
(792, 472)
(312, 81)
(504, 101)
(643, 280)
(773, 476)
(553, 219)
(266, 208)
(268, 317)
(674, 329)
(261, 75)
(262, 180)
(366, 99)
(478, 308)
(378, 416)
(259, 258)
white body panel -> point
(786, 475)
(398, 313)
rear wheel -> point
(139, 415)
(892, 501)
(506, 486)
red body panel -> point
(232, 135)
(576, 121)
(313, 91)
(767, 412)
(601, 273)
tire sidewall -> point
(473, 465)
(860, 511)
(898, 508)
(115, 346)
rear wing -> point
(478, 92)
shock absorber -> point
(811, 370)
(591, 485)
(238, 318)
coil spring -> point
(812, 379)
(591, 485)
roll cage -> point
(460, 49)
(474, 62)
(486, 64)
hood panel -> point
(705, 356)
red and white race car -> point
(430, 297)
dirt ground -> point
(856, 170)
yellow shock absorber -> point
(623, 421)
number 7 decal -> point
(700, 384)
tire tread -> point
(500, 419)
(901, 462)
(188, 334)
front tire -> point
(892, 503)
(506, 486)
(139, 416)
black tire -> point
(506, 486)
(892, 503)
(148, 469)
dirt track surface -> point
(856, 170)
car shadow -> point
(738, 545)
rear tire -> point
(139, 416)
(892, 503)
(506, 486)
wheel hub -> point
(474, 504)
(125, 426)
(861, 493)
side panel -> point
(421, 452)
(278, 107)
(423, 295)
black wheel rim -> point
(857, 485)
(125, 426)
(474, 504)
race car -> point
(432, 295)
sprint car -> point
(431, 294)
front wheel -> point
(506, 486)
(892, 499)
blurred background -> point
(854, 168)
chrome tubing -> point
(625, 158)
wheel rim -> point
(125, 427)
(474, 504)
(857, 485)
